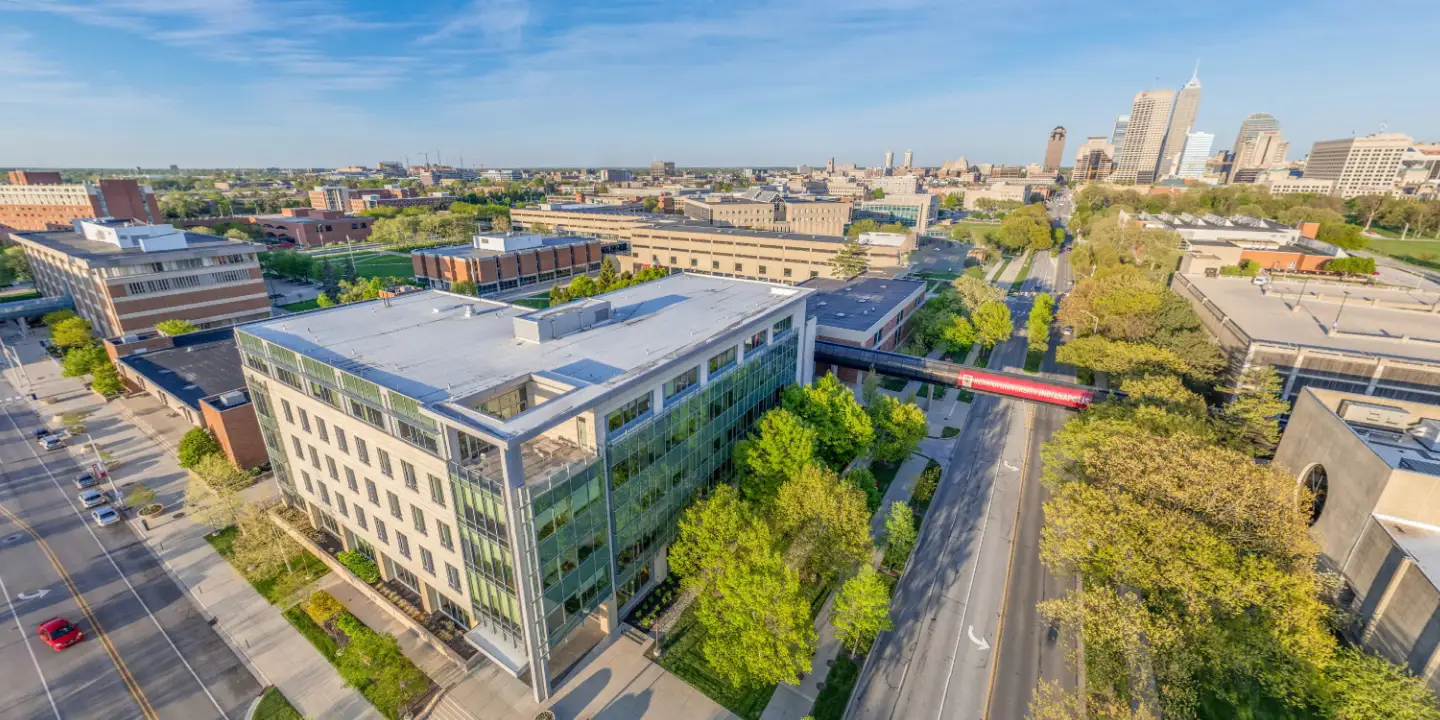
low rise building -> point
(997, 192)
(1300, 185)
(497, 262)
(308, 227)
(869, 311)
(521, 472)
(602, 221)
(755, 254)
(125, 276)
(1372, 469)
(33, 202)
(914, 211)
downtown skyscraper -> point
(1136, 161)
(1182, 123)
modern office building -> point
(1094, 160)
(1251, 126)
(1359, 165)
(1139, 155)
(918, 211)
(662, 168)
(1372, 466)
(755, 254)
(1262, 150)
(1182, 123)
(521, 471)
(614, 175)
(33, 202)
(889, 159)
(1117, 134)
(125, 277)
(497, 262)
(1054, 149)
(1195, 155)
(909, 159)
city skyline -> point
(502, 82)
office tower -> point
(521, 472)
(1253, 125)
(37, 201)
(889, 159)
(1136, 161)
(1093, 160)
(1055, 149)
(1264, 150)
(909, 158)
(830, 165)
(1182, 121)
(331, 197)
(1117, 135)
(1359, 166)
(661, 168)
(1195, 155)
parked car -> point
(41, 432)
(58, 633)
(106, 516)
(85, 480)
(92, 497)
(51, 442)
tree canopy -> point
(781, 445)
(843, 430)
(850, 261)
(993, 323)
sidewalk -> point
(275, 652)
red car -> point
(59, 634)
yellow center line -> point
(120, 666)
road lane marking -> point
(119, 662)
(1010, 561)
(104, 550)
(25, 640)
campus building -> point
(37, 201)
(1372, 466)
(497, 262)
(521, 471)
(914, 211)
(754, 254)
(869, 311)
(125, 277)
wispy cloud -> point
(498, 23)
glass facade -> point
(485, 545)
(571, 529)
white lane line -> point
(25, 441)
(25, 640)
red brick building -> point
(869, 312)
(308, 227)
(504, 261)
(37, 201)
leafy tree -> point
(1368, 207)
(51, 319)
(900, 528)
(1120, 358)
(1351, 265)
(1027, 228)
(465, 287)
(781, 445)
(861, 611)
(540, 228)
(1364, 687)
(952, 201)
(842, 428)
(650, 204)
(825, 521)
(609, 276)
(18, 263)
(71, 332)
(899, 428)
(993, 323)
(324, 300)
(1038, 324)
(217, 471)
(850, 261)
(927, 483)
(104, 379)
(877, 194)
(321, 606)
(862, 226)
(237, 234)
(960, 333)
(709, 534)
(217, 507)
(197, 444)
(974, 292)
(1343, 235)
(1250, 422)
(863, 480)
(500, 224)
(176, 327)
(83, 360)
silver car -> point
(92, 497)
(106, 516)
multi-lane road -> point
(147, 652)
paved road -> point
(147, 652)
(938, 661)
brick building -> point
(308, 227)
(504, 261)
(33, 202)
(868, 311)
(125, 277)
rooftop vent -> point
(231, 399)
(546, 325)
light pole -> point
(101, 468)
(1335, 326)
(1301, 297)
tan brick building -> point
(32, 202)
(125, 277)
(1359, 166)
(755, 254)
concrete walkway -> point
(274, 651)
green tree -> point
(196, 445)
(1120, 358)
(1364, 687)
(609, 276)
(1027, 228)
(899, 428)
(900, 528)
(863, 480)
(1038, 324)
(781, 445)
(83, 360)
(72, 332)
(18, 262)
(218, 472)
(862, 226)
(850, 261)
(1368, 207)
(105, 379)
(1250, 422)
(1343, 235)
(993, 323)
(218, 507)
(1351, 265)
(540, 228)
(465, 287)
(710, 534)
(51, 319)
(175, 327)
(877, 194)
(973, 292)
(842, 428)
(826, 522)
(861, 611)
(650, 204)
(324, 300)
(237, 234)
(952, 201)
(960, 333)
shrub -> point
(195, 446)
(363, 567)
(175, 327)
(927, 483)
(1351, 265)
(322, 606)
(350, 625)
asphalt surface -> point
(938, 661)
(147, 651)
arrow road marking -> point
(979, 642)
(1009, 466)
(33, 595)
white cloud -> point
(499, 23)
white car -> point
(92, 497)
(106, 516)
(50, 442)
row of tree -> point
(83, 354)
(609, 279)
(970, 310)
(744, 551)
(351, 291)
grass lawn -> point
(274, 706)
(373, 264)
(312, 632)
(30, 295)
(1024, 272)
(1425, 253)
(839, 685)
(966, 396)
(935, 275)
(302, 306)
(307, 567)
(938, 392)
(893, 384)
(1032, 361)
(949, 432)
(1000, 269)
(884, 474)
(984, 359)
(684, 657)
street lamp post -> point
(101, 468)
(1335, 326)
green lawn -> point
(949, 432)
(539, 301)
(933, 275)
(314, 633)
(28, 295)
(884, 474)
(839, 685)
(373, 264)
(273, 587)
(1425, 253)
(274, 706)
(1032, 361)
(302, 306)
(893, 384)
(683, 656)
(1024, 272)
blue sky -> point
(206, 83)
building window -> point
(372, 492)
(427, 561)
(403, 543)
(350, 480)
(629, 413)
(367, 413)
(380, 531)
(331, 468)
(384, 462)
(304, 420)
(340, 503)
(360, 517)
(762, 270)
(672, 260)
(299, 449)
(285, 405)
(756, 341)
(340, 441)
(694, 262)
(714, 264)
(814, 273)
(437, 490)
(417, 516)
(739, 267)
(314, 456)
(415, 436)
(394, 501)
(407, 471)
(1317, 481)
(452, 576)
(682, 382)
(361, 451)
(785, 272)
(782, 326)
(309, 487)
(321, 430)
(722, 361)
(324, 493)
(446, 540)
